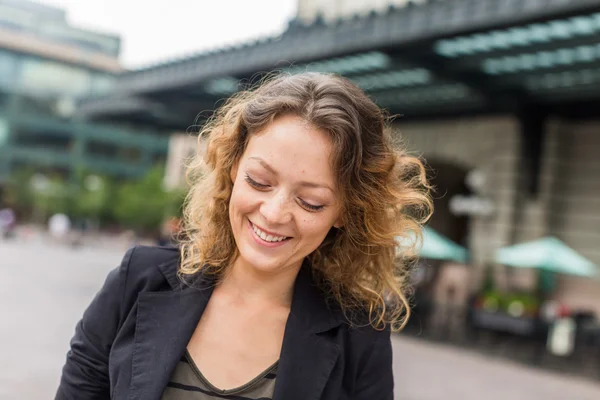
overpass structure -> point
(507, 88)
(441, 57)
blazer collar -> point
(308, 355)
(166, 321)
(310, 306)
(170, 270)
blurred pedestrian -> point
(8, 223)
(59, 226)
(285, 284)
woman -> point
(286, 284)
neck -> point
(246, 283)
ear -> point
(234, 171)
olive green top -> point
(188, 383)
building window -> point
(42, 139)
(51, 78)
(4, 129)
(101, 84)
(8, 69)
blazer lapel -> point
(307, 355)
(165, 322)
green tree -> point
(176, 199)
(93, 197)
(142, 205)
(18, 193)
(50, 195)
(38, 195)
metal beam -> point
(497, 96)
(476, 61)
(522, 77)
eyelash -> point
(255, 184)
(260, 186)
(310, 207)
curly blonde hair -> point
(383, 191)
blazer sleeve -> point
(376, 377)
(85, 373)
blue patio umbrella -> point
(549, 254)
(439, 247)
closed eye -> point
(310, 207)
(304, 204)
(255, 184)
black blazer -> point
(138, 326)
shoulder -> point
(149, 268)
(367, 337)
(362, 340)
(370, 356)
(141, 256)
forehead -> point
(293, 147)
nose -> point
(276, 209)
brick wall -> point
(568, 204)
(575, 206)
(574, 212)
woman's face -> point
(284, 199)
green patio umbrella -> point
(438, 247)
(549, 254)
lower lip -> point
(262, 242)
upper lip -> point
(268, 232)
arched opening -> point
(448, 180)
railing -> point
(40, 156)
(93, 131)
(66, 159)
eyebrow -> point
(266, 166)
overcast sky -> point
(156, 30)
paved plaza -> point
(45, 287)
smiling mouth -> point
(267, 237)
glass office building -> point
(46, 67)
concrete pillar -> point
(182, 147)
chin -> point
(265, 259)
(262, 263)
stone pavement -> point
(45, 287)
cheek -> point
(236, 201)
(317, 227)
(243, 198)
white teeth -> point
(265, 237)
